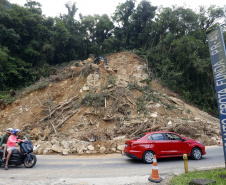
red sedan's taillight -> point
(134, 144)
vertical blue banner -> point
(218, 60)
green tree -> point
(33, 6)
(142, 24)
(210, 17)
(71, 9)
(122, 16)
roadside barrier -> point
(220, 141)
(155, 174)
(185, 157)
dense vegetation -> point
(173, 40)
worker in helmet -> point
(3, 143)
(97, 60)
(11, 145)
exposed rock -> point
(110, 86)
(85, 88)
(54, 142)
(102, 149)
(119, 138)
(46, 144)
(80, 148)
(222, 176)
(157, 105)
(47, 151)
(127, 124)
(113, 149)
(57, 148)
(154, 115)
(202, 182)
(197, 119)
(40, 150)
(120, 147)
(65, 145)
(79, 151)
(91, 147)
(65, 151)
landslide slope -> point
(87, 108)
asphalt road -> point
(104, 169)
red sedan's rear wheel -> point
(148, 157)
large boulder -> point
(120, 147)
(102, 149)
(90, 147)
(113, 149)
(66, 151)
(47, 151)
(54, 141)
(65, 144)
(46, 144)
(57, 148)
(79, 151)
(81, 148)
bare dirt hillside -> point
(87, 109)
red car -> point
(163, 144)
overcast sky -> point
(55, 7)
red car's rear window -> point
(157, 136)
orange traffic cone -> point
(155, 174)
(219, 141)
(123, 152)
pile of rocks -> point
(77, 147)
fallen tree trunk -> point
(58, 107)
(152, 128)
(67, 118)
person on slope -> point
(97, 60)
(3, 143)
(11, 145)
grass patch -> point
(111, 81)
(6, 96)
(188, 111)
(149, 94)
(184, 179)
(93, 99)
(134, 85)
(141, 105)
